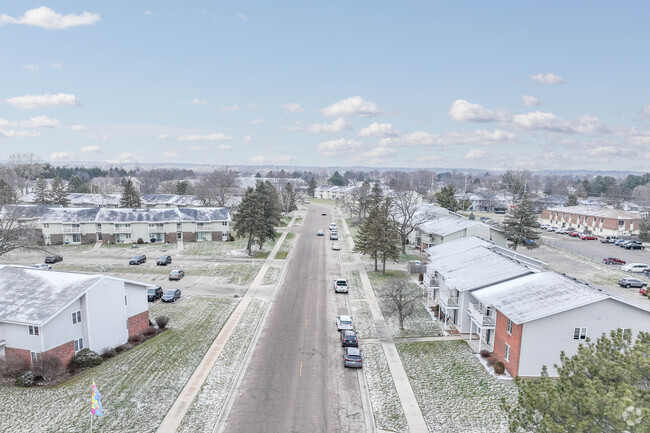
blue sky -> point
(494, 85)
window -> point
(125, 301)
(76, 317)
(506, 356)
(46, 225)
(621, 223)
(33, 330)
(78, 345)
(225, 223)
(509, 327)
(580, 334)
(35, 356)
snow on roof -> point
(95, 199)
(596, 212)
(32, 296)
(539, 295)
(462, 244)
(476, 267)
(444, 225)
(170, 199)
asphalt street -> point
(296, 381)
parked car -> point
(324, 213)
(588, 237)
(609, 239)
(644, 291)
(334, 236)
(631, 282)
(352, 357)
(344, 323)
(42, 266)
(332, 226)
(320, 233)
(341, 285)
(562, 231)
(624, 244)
(306, 201)
(176, 274)
(53, 258)
(619, 241)
(171, 295)
(635, 267)
(349, 339)
(613, 261)
(336, 246)
(164, 261)
(574, 234)
(138, 259)
(634, 245)
(154, 293)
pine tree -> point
(520, 225)
(445, 198)
(387, 235)
(75, 184)
(272, 210)
(573, 200)
(249, 219)
(58, 193)
(130, 196)
(312, 187)
(41, 192)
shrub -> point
(149, 332)
(485, 353)
(499, 368)
(139, 338)
(140, 241)
(162, 321)
(48, 367)
(121, 348)
(231, 238)
(86, 358)
(13, 366)
(26, 379)
(491, 360)
(108, 352)
(150, 322)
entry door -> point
(99, 237)
(179, 236)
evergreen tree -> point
(602, 388)
(573, 200)
(182, 187)
(445, 198)
(258, 215)
(130, 196)
(7, 193)
(338, 180)
(387, 236)
(75, 184)
(272, 211)
(58, 194)
(41, 192)
(312, 187)
(520, 225)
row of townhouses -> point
(57, 226)
(524, 314)
(599, 221)
(60, 313)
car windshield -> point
(341, 283)
(163, 258)
(151, 291)
(346, 322)
(170, 292)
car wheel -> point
(627, 286)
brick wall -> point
(217, 236)
(11, 352)
(501, 337)
(89, 238)
(170, 237)
(138, 323)
(64, 352)
(56, 239)
(189, 237)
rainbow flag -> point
(96, 402)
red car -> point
(588, 237)
(613, 261)
(643, 291)
(574, 234)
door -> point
(99, 237)
(179, 236)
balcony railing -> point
(122, 229)
(479, 317)
(203, 228)
(449, 302)
(160, 229)
(71, 229)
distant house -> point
(60, 313)
(481, 201)
(599, 221)
(543, 202)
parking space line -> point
(300, 368)
(213, 280)
(153, 278)
(199, 279)
(306, 322)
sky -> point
(492, 85)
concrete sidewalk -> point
(174, 417)
(412, 411)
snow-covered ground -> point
(354, 285)
(386, 405)
(454, 391)
(206, 407)
(363, 321)
(138, 386)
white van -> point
(635, 267)
(609, 239)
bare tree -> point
(408, 214)
(149, 181)
(27, 167)
(357, 203)
(401, 298)
(288, 198)
(214, 188)
(16, 231)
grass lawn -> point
(237, 248)
(206, 407)
(272, 275)
(283, 252)
(386, 405)
(354, 285)
(412, 255)
(298, 221)
(364, 324)
(454, 391)
(323, 201)
(138, 387)
(354, 229)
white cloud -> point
(253, 107)
(21, 133)
(31, 68)
(242, 17)
(417, 138)
(293, 107)
(479, 136)
(162, 136)
(247, 138)
(199, 148)
(227, 146)
(27, 102)
(230, 108)
(604, 151)
(530, 101)
(40, 122)
(589, 125)
(476, 154)
(205, 137)
(61, 155)
(355, 106)
(46, 18)
(170, 155)
(330, 148)
(261, 159)
(125, 158)
(547, 78)
(645, 112)
(256, 121)
(78, 128)
(57, 65)
(91, 149)
(197, 101)
(338, 125)
(378, 130)
(540, 121)
(148, 13)
(5, 122)
(380, 152)
(465, 111)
